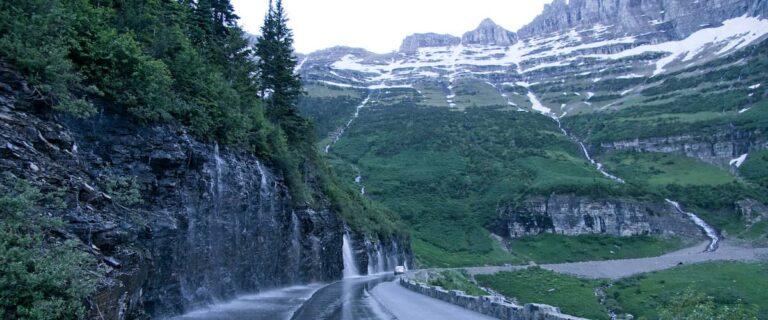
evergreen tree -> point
(280, 86)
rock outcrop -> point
(669, 19)
(489, 33)
(719, 148)
(751, 211)
(572, 215)
(413, 42)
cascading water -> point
(350, 263)
(380, 264)
(217, 188)
(598, 165)
(359, 182)
(377, 263)
(296, 244)
(349, 123)
(711, 233)
(263, 187)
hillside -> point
(582, 122)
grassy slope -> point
(660, 169)
(705, 189)
(755, 169)
(643, 296)
(727, 282)
(550, 248)
(445, 172)
(572, 295)
(456, 280)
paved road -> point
(617, 269)
(347, 299)
(377, 297)
(380, 297)
(269, 305)
(408, 305)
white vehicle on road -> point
(399, 270)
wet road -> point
(408, 305)
(342, 300)
(346, 300)
(377, 297)
(269, 305)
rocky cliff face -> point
(413, 42)
(720, 148)
(379, 254)
(212, 222)
(571, 215)
(670, 19)
(489, 33)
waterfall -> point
(359, 182)
(341, 131)
(377, 263)
(371, 268)
(217, 179)
(709, 230)
(380, 265)
(598, 165)
(350, 263)
(296, 244)
(263, 188)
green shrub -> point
(40, 277)
(124, 190)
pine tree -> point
(280, 86)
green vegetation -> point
(40, 277)
(124, 190)
(446, 172)
(551, 248)
(184, 62)
(572, 295)
(661, 169)
(708, 190)
(755, 169)
(329, 109)
(690, 305)
(715, 290)
(732, 285)
(700, 100)
(455, 280)
(428, 254)
(474, 93)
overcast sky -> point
(380, 25)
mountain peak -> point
(488, 32)
(487, 23)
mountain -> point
(414, 42)
(489, 33)
(582, 122)
(669, 19)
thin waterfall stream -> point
(350, 263)
(711, 232)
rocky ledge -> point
(573, 215)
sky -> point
(381, 25)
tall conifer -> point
(280, 86)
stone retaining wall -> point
(490, 306)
